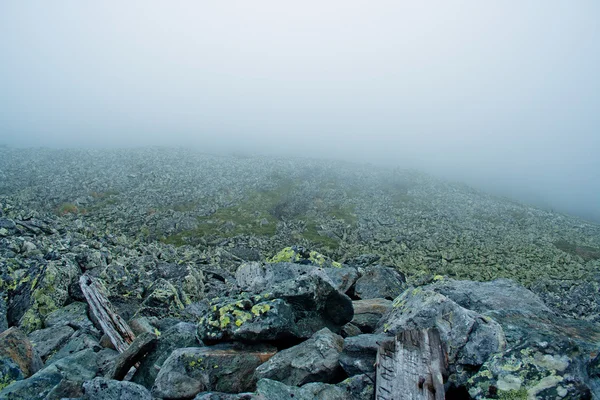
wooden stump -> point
(112, 324)
(411, 367)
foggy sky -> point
(501, 95)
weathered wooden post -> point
(411, 367)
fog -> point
(504, 96)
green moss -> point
(520, 394)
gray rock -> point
(363, 261)
(257, 277)
(3, 321)
(343, 278)
(181, 335)
(79, 341)
(380, 282)
(221, 368)
(471, 338)
(360, 352)
(74, 315)
(225, 396)
(315, 360)
(16, 347)
(355, 388)
(66, 373)
(367, 313)
(50, 340)
(108, 389)
(350, 330)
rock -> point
(350, 330)
(142, 344)
(50, 340)
(471, 338)
(360, 352)
(15, 346)
(292, 309)
(355, 388)
(79, 341)
(315, 360)
(74, 315)
(181, 335)
(380, 282)
(108, 389)
(164, 300)
(141, 325)
(363, 261)
(3, 321)
(222, 368)
(224, 396)
(367, 313)
(343, 278)
(56, 378)
(302, 255)
(8, 224)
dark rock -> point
(221, 368)
(360, 352)
(164, 300)
(49, 340)
(74, 315)
(3, 321)
(108, 389)
(471, 338)
(245, 253)
(79, 341)
(141, 325)
(15, 346)
(380, 282)
(225, 396)
(355, 388)
(292, 309)
(343, 278)
(142, 344)
(363, 261)
(7, 224)
(350, 330)
(367, 313)
(315, 360)
(181, 335)
(55, 378)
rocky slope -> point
(188, 247)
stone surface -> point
(15, 346)
(315, 360)
(3, 321)
(355, 388)
(50, 340)
(109, 389)
(221, 368)
(380, 282)
(74, 315)
(142, 344)
(181, 335)
(367, 313)
(360, 352)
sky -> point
(504, 96)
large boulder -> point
(355, 388)
(109, 389)
(367, 313)
(48, 341)
(181, 335)
(222, 368)
(16, 348)
(470, 337)
(547, 356)
(74, 315)
(315, 360)
(360, 352)
(380, 282)
(295, 308)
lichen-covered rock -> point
(221, 368)
(292, 309)
(302, 255)
(74, 315)
(315, 360)
(367, 313)
(380, 282)
(257, 277)
(470, 337)
(181, 335)
(164, 300)
(109, 389)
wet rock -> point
(108, 389)
(360, 352)
(50, 340)
(15, 346)
(367, 313)
(221, 368)
(315, 360)
(181, 335)
(380, 282)
(142, 344)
